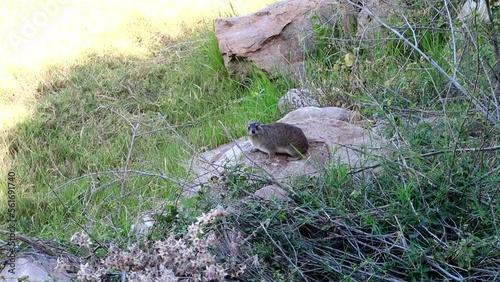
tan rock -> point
(325, 135)
(275, 38)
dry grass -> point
(39, 35)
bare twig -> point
(135, 129)
(71, 216)
(461, 150)
(36, 243)
(146, 173)
(285, 256)
(494, 36)
(456, 277)
(450, 78)
(487, 174)
(189, 145)
(43, 247)
(458, 150)
(124, 180)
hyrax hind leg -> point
(294, 153)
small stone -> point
(317, 113)
(295, 99)
(272, 192)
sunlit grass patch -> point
(40, 35)
(72, 77)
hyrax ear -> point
(255, 123)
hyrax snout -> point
(278, 137)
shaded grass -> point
(423, 218)
(432, 214)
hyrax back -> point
(278, 138)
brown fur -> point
(278, 138)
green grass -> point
(431, 212)
(86, 126)
(83, 120)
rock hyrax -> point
(278, 138)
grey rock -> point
(325, 135)
(317, 113)
(272, 192)
(296, 99)
(34, 267)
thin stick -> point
(462, 89)
(116, 172)
(282, 252)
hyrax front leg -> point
(271, 154)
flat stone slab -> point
(330, 140)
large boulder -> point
(351, 144)
(275, 38)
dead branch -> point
(493, 120)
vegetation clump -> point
(108, 135)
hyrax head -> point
(254, 128)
